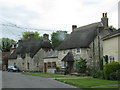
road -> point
(17, 80)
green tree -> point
(36, 35)
(82, 65)
(6, 44)
(112, 28)
(58, 37)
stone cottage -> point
(111, 46)
(51, 62)
(29, 54)
(83, 42)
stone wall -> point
(30, 64)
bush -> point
(113, 76)
(82, 65)
(99, 74)
(118, 74)
(110, 68)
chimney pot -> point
(103, 14)
(74, 27)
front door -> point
(70, 67)
(45, 67)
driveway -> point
(17, 80)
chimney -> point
(104, 20)
(13, 48)
(74, 27)
(45, 36)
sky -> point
(52, 15)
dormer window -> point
(78, 50)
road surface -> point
(17, 80)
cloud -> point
(58, 14)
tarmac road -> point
(17, 80)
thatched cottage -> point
(83, 42)
(29, 54)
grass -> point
(89, 82)
(47, 75)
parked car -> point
(13, 69)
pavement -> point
(17, 80)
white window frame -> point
(63, 64)
(77, 51)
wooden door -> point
(45, 67)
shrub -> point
(113, 76)
(82, 65)
(99, 74)
(118, 74)
(110, 68)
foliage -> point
(110, 68)
(99, 74)
(6, 44)
(112, 28)
(82, 65)
(36, 35)
(106, 58)
(58, 37)
(113, 76)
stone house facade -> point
(85, 42)
(111, 46)
(29, 54)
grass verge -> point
(47, 75)
(89, 82)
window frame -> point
(78, 50)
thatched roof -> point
(81, 37)
(69, 57)
(113, 34)
(31, 47)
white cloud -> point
(59, 14)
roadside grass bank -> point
(91, 83)
(47, 75)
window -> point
(63, 64)
(78, 50)
(111, 59)
(53, 64)
(49, 64)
